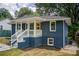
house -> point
(34, 31)
(4, 24)
(5, 28)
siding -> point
(30, 42)
(24, 44)
(58, 35)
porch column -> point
(34, 28)
(21, 26)
(16, 27)
(28, 28)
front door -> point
(50, 42)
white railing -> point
(29, 33)
(38, 33)
(22, 35)
(14, 36)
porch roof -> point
(30, 19)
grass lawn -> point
(34, 52)
(12, 52)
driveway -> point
(71, 47)
(4, 47)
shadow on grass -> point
(43, 47)
(77, 53)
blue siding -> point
(30, 42)
(13, 29)
(38, 41)
(58, 35)
(25, 44)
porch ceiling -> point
(41, 19)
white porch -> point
(26, 29)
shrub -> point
(5, 33)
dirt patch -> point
(3, 40)
(46, 52)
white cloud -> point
(12, 7)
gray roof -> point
(42, 18)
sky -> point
(12, 7)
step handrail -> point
(21, 33)
(16, 33)
(12, 40)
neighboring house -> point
(40, 30)
(5, 28)
(4, 24)
(1, 27)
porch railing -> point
(29, 33)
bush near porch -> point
(5, 33)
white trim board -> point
(50, 26)
(63, 36)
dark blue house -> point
(35, 31)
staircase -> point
(18, 36)
(14, 39)
(22, 35)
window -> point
(38, 26)
(50, 41)
(52, 25)
(32, 26)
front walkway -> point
(71, 47)
(4, 47)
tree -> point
(45, 8)
(4, 13)
(36, 14)
(70, 10)
(23, 11)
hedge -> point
(5, 33)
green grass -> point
(12, 52)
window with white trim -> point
(38, 26)
(52, 25)
(50, 41)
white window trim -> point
(55, 26)
(48, 42)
